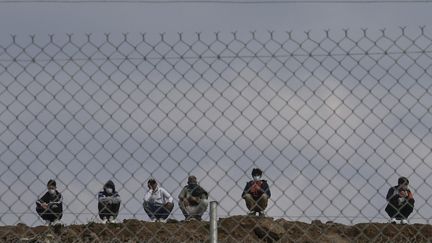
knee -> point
(146, 205)
(204, 203)
(169, 206)
(247, 197)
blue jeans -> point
(157, 210)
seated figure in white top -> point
(158, 203)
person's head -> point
(109, 187)
(152, 184)
(256, 174)
(192, 180)
(403, 182)
(52, 186)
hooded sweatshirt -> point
(110, 198)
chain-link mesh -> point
(333, 118)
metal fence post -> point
(331, 117)
(213, 222)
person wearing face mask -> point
(256, 194)
(108, 203)
(158, 203)
(50, 205)
(400, 202)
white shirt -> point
(160, 196)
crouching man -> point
(50, 205)
(400, 202)
(193, 200)
(256, 194)
(108, 203)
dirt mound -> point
(232, 229)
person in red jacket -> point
(256, 194)
(400, 202)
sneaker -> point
(191, 218)
(393, 221)
(261, 214)
(404, 221)
(104, 220)
(112, 220)
(251, 213)
(47, 223)
(162, 221)
(55, 222)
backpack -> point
(256, 189)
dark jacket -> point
(55, 204)
(194, 193)
(105, 198)
(264, 189)
(393, 196)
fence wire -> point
(333, 118)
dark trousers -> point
(157, 210)
(107, 210)
(50, 214)
(401, 212)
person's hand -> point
(168, 205)
(185, 203)
(44, 205)
(193, 200)
(403, 194)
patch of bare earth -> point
(232, 229)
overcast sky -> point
(39, 18)
(131, 138)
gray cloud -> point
(331, 137)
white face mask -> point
(52, 191)
(256, 178)
(109, 190)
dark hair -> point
(192, 180)
(51, 183)
(152, 181)
(403, 181)
(256, 172)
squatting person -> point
(50, 205)
(256, 194)
(400, 202)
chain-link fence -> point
(333, 118)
